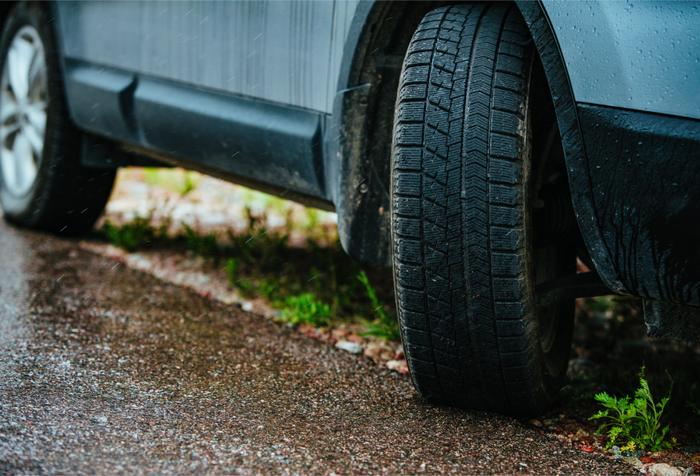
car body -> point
(297, 98)
(278, 95)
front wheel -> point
(42, 183)
(466, 261)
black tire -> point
(65, 197)
(464, 255)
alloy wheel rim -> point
(23, 103)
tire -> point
(465, 258)
(57, 194)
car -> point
(504, 158)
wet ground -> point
(107, 370)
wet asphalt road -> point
(107, 370)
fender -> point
(361, 178)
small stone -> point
(99, 419)
(535, 422)
(247, 306)
(399, 366)
(346, 345)
(663, 469)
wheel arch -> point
(362, 121)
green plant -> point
(131, 235)
(383, 325)
(305, 309)
(633, 422)
(189, 183)
(202, 245)
(231, 267)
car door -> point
(235, 89)
(273, 50)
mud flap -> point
(676, 321)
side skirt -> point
(269, 146)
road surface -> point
(107, 370)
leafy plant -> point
(232, 268)
(633, 422)
(305, 309)
(189, 183)
(383, 325)
(201, 245)
(131, 235)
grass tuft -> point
(633, 423)
(305, 309)
(202, 245)
(132, 235)
(383, 325)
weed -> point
(383, 325)
(189, 183)
(182, 182)
(132, 235)
(232, 271)
(633, 423)
(232, 268)
(305, 309)
(269, 289)
(201, 245)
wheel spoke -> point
(18, 59)
(34, 138)
(35, 68)
(8, 106)
(8, 163)
(5, 131)
(25, 167)
(36, 113)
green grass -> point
(131, 235)
(383, 325)
(205, 245)
(633, 423)
(315, 284)
(305, 309)
(182, 182)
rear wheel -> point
(42, 183)
(464, 189)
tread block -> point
(504, 195)
(407, 227)
(505, 146)
(505, 172)
(408, 158)
(416, 74)
(510, 310)
(409, 275)
(504, 122)
(411, 111)
(408, 250)
(505, 238)
(508, 101)
(505, 216)
(413, 91)
(406, 206)
(408, 184)
(506, 264)
(413, 322)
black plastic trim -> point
(645, 176)
(270, 146)
(577, 168)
